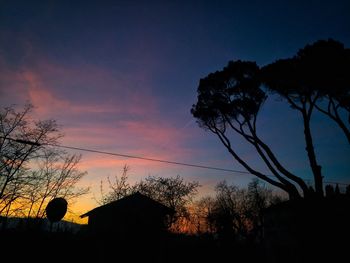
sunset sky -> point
(121, 76)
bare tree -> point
(202, 212)
(173, 192)
(56, 176)
(119, 187)
(31, 171)
(237, 213)
(17, 127)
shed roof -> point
(131, 201)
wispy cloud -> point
(99, 109)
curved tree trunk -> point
(259, 143)
(315, 167)
(290, 190)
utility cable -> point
(145, 158)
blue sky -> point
(122, 76)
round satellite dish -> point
(56, 209)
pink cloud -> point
(102, 110)
(114, 163)
(44, 101)
(12, 86)
(139, 139)
(49, 100)
(75, 89)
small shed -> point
(133, 215)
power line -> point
(128, 156)
(170, 162)
(148, 159)
(151, 159)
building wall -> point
(125, 223)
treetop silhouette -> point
(230, 100)
(319, 75)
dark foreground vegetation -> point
(81, 247)
(293, 231)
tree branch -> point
(227, 144)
